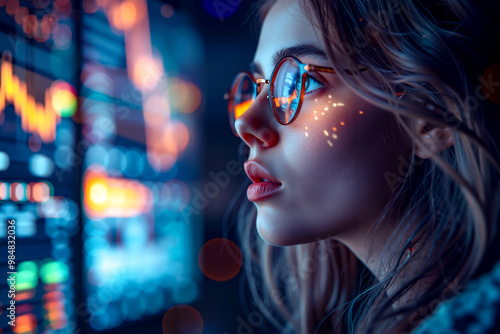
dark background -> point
(230, 43)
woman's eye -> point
(310, 85)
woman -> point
(371, 133)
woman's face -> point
(334, 161)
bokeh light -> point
(4, 161)
(147, 72)
(131, 182)
(11, 6)
(175, 136)
(113, 197)
(25, 323)
(39, 191)
(185, 290)
(4, 191)
(220, 259)
(41, 3)
(90, 6)
(40, 165)
(54, 272)
(167, 10)
(21, 13)
(62, 36)
(49, 23)
(35, 143)
(185, 96)
(30, 24)
(124, 15)
(182, 319)
(63, 98)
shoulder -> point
(475, 310)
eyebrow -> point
(297, 51)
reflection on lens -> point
(243, 95)
(286, 90)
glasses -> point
(287, 86)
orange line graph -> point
(36, 118)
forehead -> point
(285, 25)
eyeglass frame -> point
(260, 83)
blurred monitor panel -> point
(98, 156)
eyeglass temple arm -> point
(328, 69)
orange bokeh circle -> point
(220, 259)
(182, 319)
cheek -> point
(334, 164)
(338, 161)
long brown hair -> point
(438, 53)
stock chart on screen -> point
(98, 154)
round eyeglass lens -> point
(286, 90)
(243, 95)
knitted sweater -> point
(475, 310)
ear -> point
(434, 138)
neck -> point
(379, 253)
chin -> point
(278, 232)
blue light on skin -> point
(221, 8)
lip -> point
(260, 189)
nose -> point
(257, 125)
